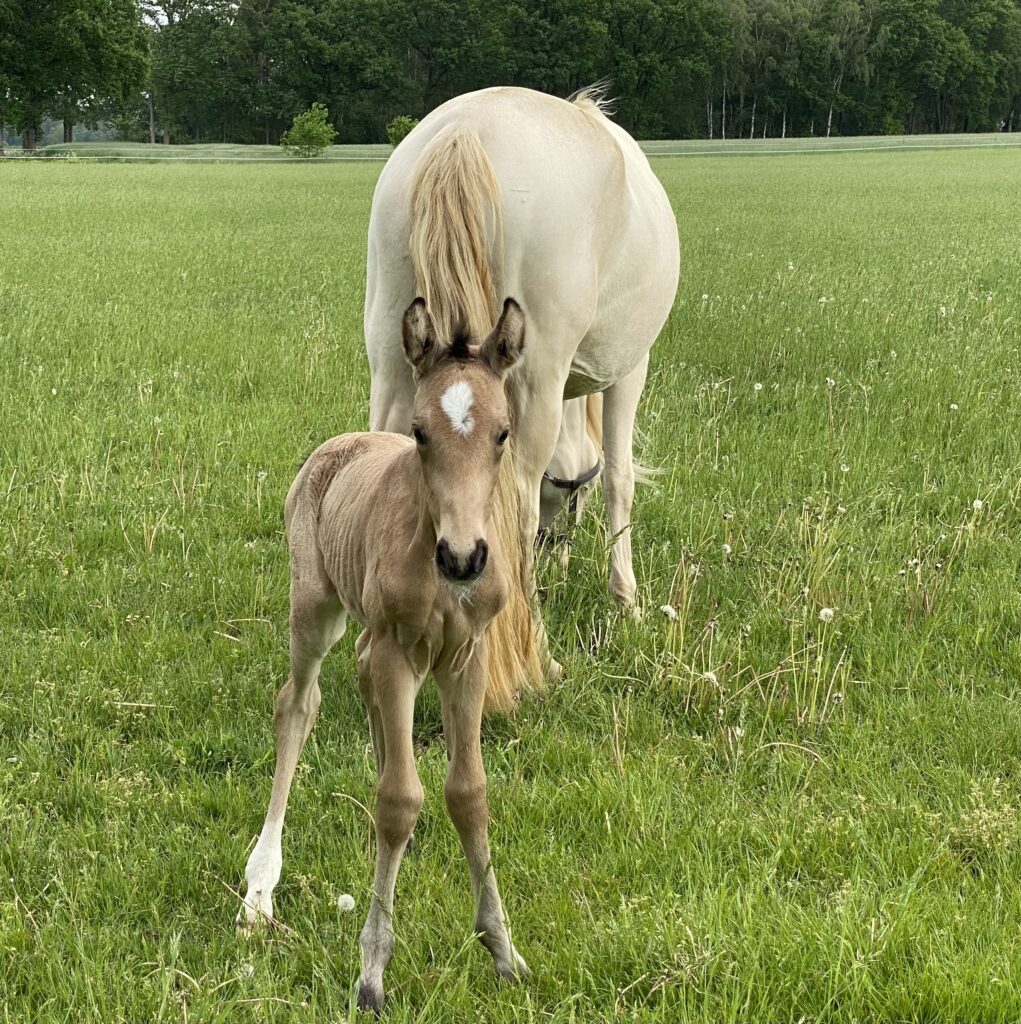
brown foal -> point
(397, 532)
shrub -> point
(310, 134)
(398, 129)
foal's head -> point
(461, 425)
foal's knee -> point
(397, 809)
(305, 699)
(465, 797)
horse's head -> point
(461, 424)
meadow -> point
(794, 797)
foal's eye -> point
(502, 438)
(416, 433)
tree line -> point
(239, 70)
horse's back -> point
(585, 223)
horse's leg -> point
(539, 408)
(461, 698)
(392, 389)
(317, 623)
(621, 405)
(398, 801)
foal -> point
(398, 534)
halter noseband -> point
(572, 486)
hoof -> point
(256, 913)
(554, 671)
(412, 844)
(515, 971)
(370, 998)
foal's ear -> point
(503, 348)
(419, 334)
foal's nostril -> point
(444, 559)
(479, 557)
(461, 569)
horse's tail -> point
(455, 210)
(455, 226)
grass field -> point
(748, 813)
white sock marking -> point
(456, 403)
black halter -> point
(572, 486)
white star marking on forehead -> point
(456, 403)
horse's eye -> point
(504, 434)
(416, 433)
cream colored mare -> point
(509, 191)
(398, 534)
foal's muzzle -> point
(461, 569)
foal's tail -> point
(456, 224)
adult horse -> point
(507, 191)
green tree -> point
(310, 134)
(66, 57)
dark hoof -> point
(370, 999)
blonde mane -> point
(455, 225)
(594, 98)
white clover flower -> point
(825, 614)
(669, 611)
(954, 406)
(943, 311)
(705, 297)
(727, 549)
(790, 265)
(345, 902)
(53, 391)
(830, 383)
(844, 467)
(711, 678)
(978, 504)
(758, 387)
(246, 970)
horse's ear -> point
(419, 334)
(503, 348)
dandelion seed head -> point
(727, 549)
(825, 614)
(978, 504)
(669, 611)
(345, 902)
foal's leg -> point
(363, 649)
(398, 801)
(621, 405)
(461, 698)
(317, 623)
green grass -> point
(744, 814)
